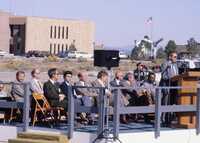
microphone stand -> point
(104, 135)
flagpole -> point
(151, 32)
(10, 6)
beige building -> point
(4, 31)
(46, 34)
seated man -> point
(36, 85)
(118, 82)
(130, 94)
(67, 76)
(139, 73)
(17, 90)
(87, 96)
(150, 87)
(3, 97)
(3, 94)
(101, 81)
(52, 91)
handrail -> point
(158, 109)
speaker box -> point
(106, 58)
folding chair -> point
(43, 106)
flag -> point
(149, 20)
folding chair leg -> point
(59, 115)
(34, 116)
(11, 116)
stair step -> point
(20, 140)
(59, 138)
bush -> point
(81, 60)
(52, 58)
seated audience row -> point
(138, 93)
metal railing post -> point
(26, 107)
(101, 105)
(70, 112)
(157, 112)
(198, 112)
(116, 114)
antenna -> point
(10, 6)
(13, 5)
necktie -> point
(39, 85)
(175, 70)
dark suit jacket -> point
(64, 88)
(51, 92)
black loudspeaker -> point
(106, 58)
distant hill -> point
(126, 49)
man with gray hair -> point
(36, 85)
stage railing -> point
(158, 109)
(74, 108)
(25, 106)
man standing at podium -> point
(169, 70)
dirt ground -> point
(9, 66)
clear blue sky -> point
(120, 22)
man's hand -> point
(61, 97)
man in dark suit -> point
(67, 76)
(139, 73)
(52, 91)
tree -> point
(160, 53)
(192, 46)
(135, 53)
(171, 46)
(72, 47)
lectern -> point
(187, 96)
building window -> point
(58, 48)
(66, 48)
(51, 32)
(62, 48)
(54, 50)
(55, 32)
(50, 49)
(59, 32)
(63, 32)
(18, 46)
(67, 32)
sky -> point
(120, 22)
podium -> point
(187, 96)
